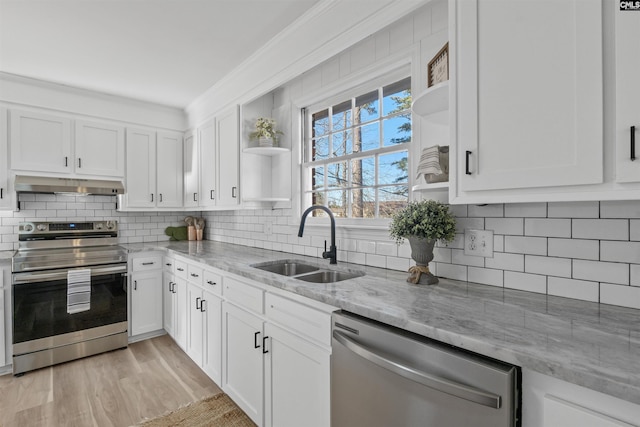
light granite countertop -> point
(593, 345)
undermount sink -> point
(328, 276)
(306, 272)
(287, 268)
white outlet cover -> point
(478, 243)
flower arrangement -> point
(265, 128)
(426, 219)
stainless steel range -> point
(69, 292)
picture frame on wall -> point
(438, 67)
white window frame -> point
(364, 85)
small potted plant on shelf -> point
(422, 224)
(266, 132)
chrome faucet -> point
(332, 253)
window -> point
(356, 152)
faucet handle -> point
(325, 246)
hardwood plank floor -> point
(115, 389)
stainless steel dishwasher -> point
(387, 377)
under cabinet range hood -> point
(55, 185)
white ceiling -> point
(163, 51)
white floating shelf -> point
(433, 100)
(436, 186)
(266, 151)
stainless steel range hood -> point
(41, 184)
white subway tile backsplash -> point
(442, 255)
(508, 226)
(367, 247)
(574, 248)
(464, 223)
(498, 243)
(400, 264)
(525, 210)
(486, 276)
(634, 229)
(634, 273)
(452, 271)
(525, 282)
(525, 245)
(625, 296)
(549, 266)
(485, 211)
(544, 227)
(458, 257)
(574, 210)
(387, 249)
(620, 209)
(612, 272)
(376, 261)
(609, 229)
(620, 251)
(505, 261)
(572, 288)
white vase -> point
(265, 142)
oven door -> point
(40, 317)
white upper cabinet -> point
(526, 95)
(208, 163)
(169, 170)
(46, 143)
(627, 124)
(5, 195)
(228, 139)
(141, 169)
(99, 149)
(191, 171)
(40, 142)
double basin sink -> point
(306, 272)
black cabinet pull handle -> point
(152, 197)
(160, 197)
(264, 345)
(180, 269)
(194, 275)
(202, 305)
(79, 162)
(466, 168)
(633, 143)
(233, 192)
(148, 263)
(255, 340)
(197, 305)
(195, 197)
(66, 161)
(135, 285)
(1, 193)
(212, 194)
(168, 264)
(212, 283)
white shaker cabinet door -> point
(5, 195)
(141, 169)
(527, 93)
(560, 413)
(228, 139)
(169, 170)
(40, 142)
(99, 149)
(208, 164)
(146, 302)
(191, 171)
(212, 352)
(627, 41)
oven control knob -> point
(111, 225)
(99, 226)
(28, 227)
(42, 227)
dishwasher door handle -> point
(432, 381)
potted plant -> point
(422, 224)
(266, 133)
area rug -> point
(218, 410)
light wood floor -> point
(119, 388)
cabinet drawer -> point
(147, 263)
(180, 269)
(194, 274)
(212, 282)
(244, 295)
(168, 264)
(297, 317)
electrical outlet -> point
(478, 243)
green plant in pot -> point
(266, 132)
(422, 224)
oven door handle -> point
(22, 278)
(425, 378)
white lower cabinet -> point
(145, 292)
(297, 387)
(242, 359)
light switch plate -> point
(478, 243)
